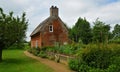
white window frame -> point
(50, 28)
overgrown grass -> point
(16, 61)
(97, 58)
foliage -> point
(42, 54)
(101, 31)
(16, 46)
(97, 58)
(84, 68)
(69, 49)
(96, 70)
(115, 34)
(12, 30)
(73, 64)
(48, 49)
(115, 64)
(16, 61)
(78, 65)
(116, 41)
(27, 46)
(116, 29)
(34, 51)
(81, 31)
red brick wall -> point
(34, 39)
(58, 34)
(47, 38)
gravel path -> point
(56, 66)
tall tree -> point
(12, 30)
(116, 31)
(101, 31)
(81, 31)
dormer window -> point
(50, 28)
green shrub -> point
(27, 47)
(48, 49)
(30, 50)
(78, 65)
(113, 68)
(34, 51)
(114, 64)
(68, 49)
(97, 58)
(16, 46)
(96, 70)
(83, 68)
(101, 58)
(42, 54)
(74, 64)
(116, 41)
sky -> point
(107, 11)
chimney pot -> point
(53, 11)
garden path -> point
(58, 67)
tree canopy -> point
(12, 29)
(100, 31)
(81, 31)
(116, 30)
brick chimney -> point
(53, 11)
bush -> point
(42, 54)
(97, 58)
(114, 64)
(113, 68)
(49, 49)
(116, 41)
(67, 49)
(105, 58)
(34, 51)
(16, 46)
(73, 64)
(96, 70)
(78, 65)
(30, 50)
(27, 47)
(83, 68)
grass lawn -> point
(16, 61)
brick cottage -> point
(50, 31)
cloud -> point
(108, 13)
(69, 10)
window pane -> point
(51, 28)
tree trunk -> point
(0, 54)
